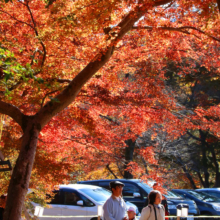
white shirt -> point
(148, 213)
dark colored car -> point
(136, 191)
(177, 199)
(207, 204)
(211, 191)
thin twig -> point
(180, 29)
(23, 22)
(49, 93)
(36, 32)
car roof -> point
(185, 190)
(209, 189)
(79, 186)
(106, 180)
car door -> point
(71, 205)
(199, 203)
(55, 208)
(92, 209)
(132, 193)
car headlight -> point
(171, 206)
(216, 207)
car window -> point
(180, 193)
(129, 190)
(204, 196)
(213, 193)
(145, 187)
(71, 198)
(172, 194)
(86, 201)
(98, 194)
(56, 198)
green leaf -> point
(40, 80)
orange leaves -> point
(148, 154)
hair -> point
(152, 196)
(113, 187)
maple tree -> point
(50, 50)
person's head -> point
(154, 197)
(155, 186)
(116, 188)
(131, 213)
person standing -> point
(131, 213)
(155, 210)
(115, 207)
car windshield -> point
(204, 196)
(145, 187)
(172, 194)
(98, 194)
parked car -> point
(207, 204)
(136, 192)
(177, 199)
(211, 191)
(78, 200)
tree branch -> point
(179, 29)
(36, 32)
(192, 136)
(109, 169)
(218, 3)
(13, 112)
(1, 156)
(47, 94)
(17, 19)
(68, 95)
(200, 178)
(163, 2)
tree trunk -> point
(217, 174)
(19, 183)
(129, 151)
(204, 158)
(193, 185)
(201, 180)
(179, 160)
(145, 165)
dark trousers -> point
(1, 213)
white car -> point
(77, 200)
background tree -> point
(196, 152)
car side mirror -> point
(80, 202)
(136, 195)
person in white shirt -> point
(115, 207)
(155, 210)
